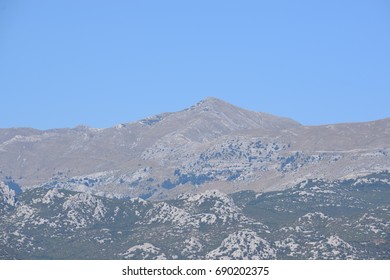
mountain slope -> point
(316, 219)
(211, 145)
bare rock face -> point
(145, 251)
(82, 207)
(211, 145)
(7, 197)
(243, 245)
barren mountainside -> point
(211, 145)
(213, 181)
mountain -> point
(211, 145)
(213, 181)
(316, 219)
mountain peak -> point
(222, 113)
(211, 102)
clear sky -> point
(99, 63)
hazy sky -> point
(100, 63)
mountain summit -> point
(211, 145)
(211, 118)
(237, 118)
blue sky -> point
(99, 63)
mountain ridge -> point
(212, 144)
(207, 101)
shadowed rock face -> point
(211, 145)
